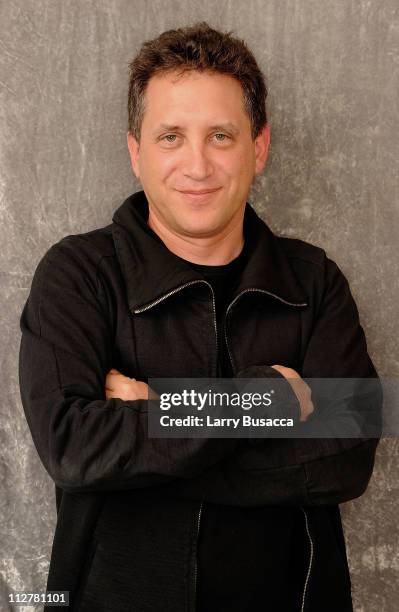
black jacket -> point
(117, 297)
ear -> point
(133, 147)
(262, 142)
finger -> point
(113, 374)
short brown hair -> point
(197, 47)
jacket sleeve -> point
(307, 471)
(86, 442)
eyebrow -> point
(220, 126)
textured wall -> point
(331, 179)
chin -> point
(200, 230)
(198, 225)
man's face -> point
(196, 136)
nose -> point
(197, 165)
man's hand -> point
(123, 387)
(300, 388)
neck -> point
(211, 250)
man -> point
(187, 281)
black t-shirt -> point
(224, 279)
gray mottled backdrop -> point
(332, 179)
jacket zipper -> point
(176, 290)
(202, 502)
(144, 308)
(231, 360)
(310, 560)
(247, 291)
(196, 556)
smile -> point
(199, 195)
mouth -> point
(199, 195)
(198, 191)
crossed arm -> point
(92, 438)
(276, 472)
(119, 386)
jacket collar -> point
(151, 271)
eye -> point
(223, 135)
(169, 136)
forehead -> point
(172, 96)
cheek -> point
(247, 162)
(156, 165)
(236, 165)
